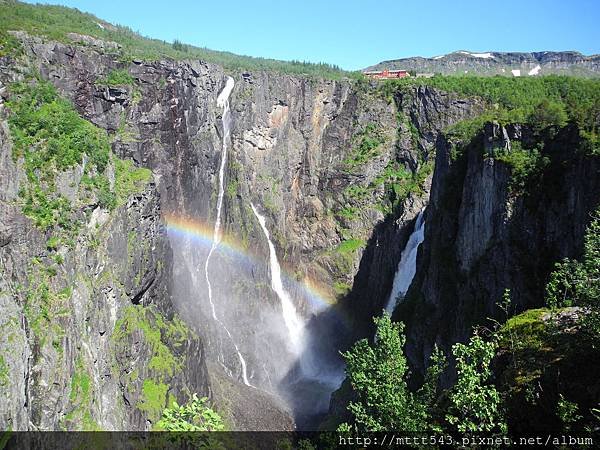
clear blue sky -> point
(357, 33)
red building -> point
(386, 74)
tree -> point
(577, 283)
(195, 415)
(475, 402)
(179, 46)
(377, 373)
(429, 393)
(548, 114)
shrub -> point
(523, 163)
(179, 46)
(547, 114)
(575, 283)
(49, 132)
(475, 402)
(377, 373)
(129, 179)
(117, 77)
(195, 415)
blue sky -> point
(354, 34)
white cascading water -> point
(223, 102)
(292, 322)
(407, 266)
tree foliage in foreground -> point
(577, 283)
(378, 374)
(195, 415)
(475, 402)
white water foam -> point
(407, 266)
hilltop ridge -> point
(499, 63)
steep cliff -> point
(492, 227)
(91, 339)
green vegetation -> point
(49, 133)
(399, 183)
(164, 340)
(542, 105)
(475, 402)
(80, 383)
(523, 163)
(525, 331)
(548, 114)
(350, 245)
(341, 288)
(51, 137)
(342, 259)
(154, 398)
(367, 146)
(539, 354)
(4, 378)
(159, 334)
(129, 180)
(80, 399)
(56, 22)
(179, 46)
(44, 304)
(9, 45)
(545, 101)
(117, 77)
(232, 188)
(195, 415)
(575, 283)
(567, 412)
(378, 375)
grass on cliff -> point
(165, 339)
(116, 77)
(55, 22)
(51, 137)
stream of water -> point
(292, 322)
(223, 102)
(407, 266)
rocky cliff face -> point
(484, 235)
(90, 334)
(73, 357)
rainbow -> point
(202, 233)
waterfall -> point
(223, 102)
(407, 266)
(290, 316)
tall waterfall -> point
(407, 266)
(292, 322)
(223, 101)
